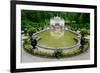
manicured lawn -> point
(64, 41)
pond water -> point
(66, 40)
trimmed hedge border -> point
(69, 53)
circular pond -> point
(49, 41)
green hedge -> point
(56, 54)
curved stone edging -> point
(59, 48)
(66, 48)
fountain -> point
(57, 27)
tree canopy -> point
(39, 19)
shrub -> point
(25, 31)
(31, 31)
(42, 53)
(58, 53)
(71, 53)
(26, 41)
(86, 46)
(83, 32)
(26, 45)
(27, 48)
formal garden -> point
(55, 34)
